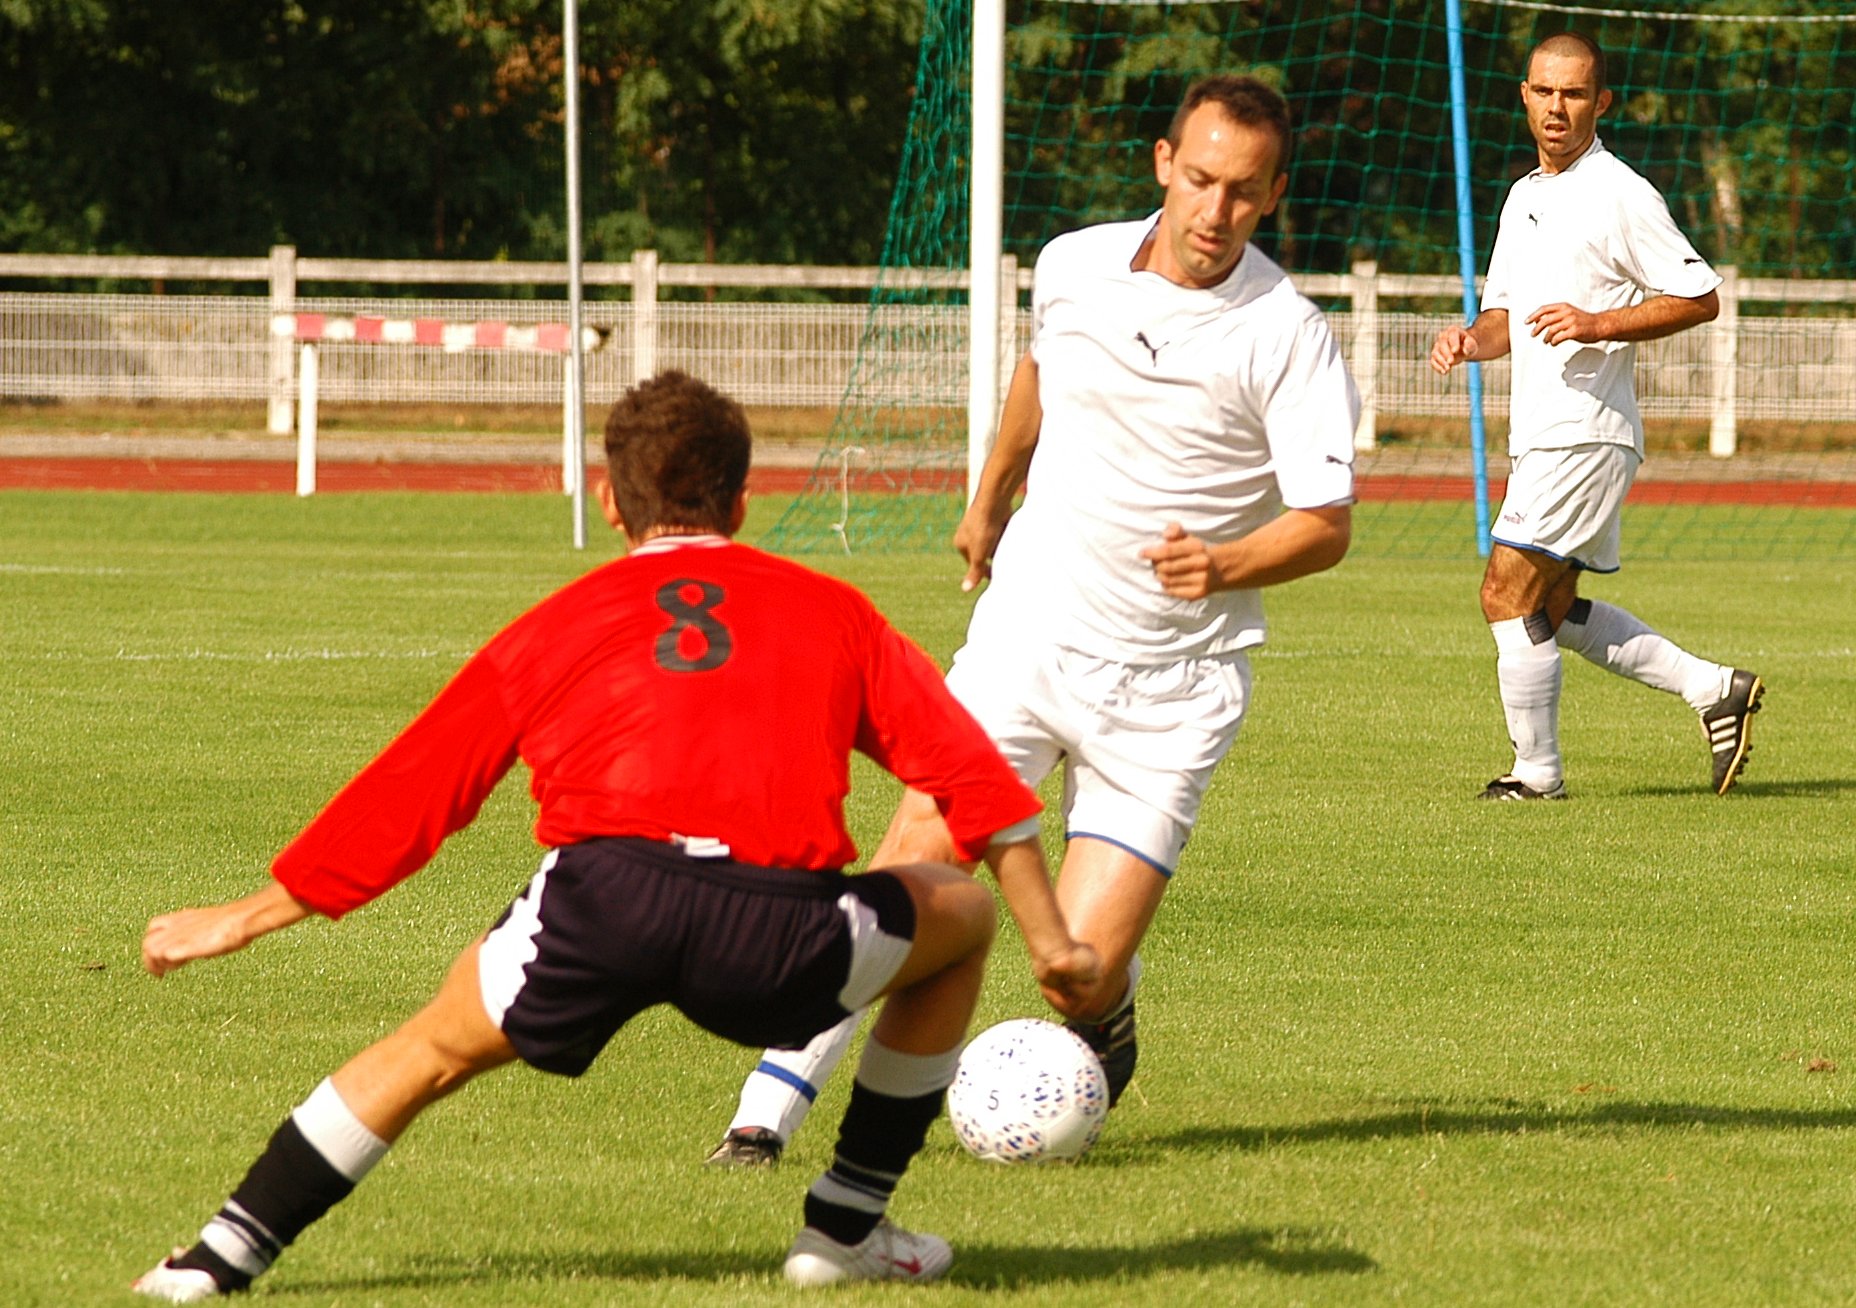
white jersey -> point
(1596, 236)
(1214, 408)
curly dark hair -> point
(677, 454)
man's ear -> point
(739, 514)
(1163, 161)
(609, 505)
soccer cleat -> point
(176, 1284)
(1511, 787)
(1114, 1046)
(888, 1253)
(1728, 725)
(747, 1146)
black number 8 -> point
(700, 617)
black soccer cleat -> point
(1114, 1046)
(1728, 725)
(1511, 787)
(747, 1146)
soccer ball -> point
(1027, 1091)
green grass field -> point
(1398, 1046)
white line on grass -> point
(261, 656)
(55, 570)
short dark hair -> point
(677, 453)
(1244, 99)
(1571, 42)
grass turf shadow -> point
(1287, 1251)
(1419, 1120)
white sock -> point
(338, 1135)
(1619, 642)
(779, 1092)
(1529, 676)
(906, 1076)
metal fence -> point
(89, 346)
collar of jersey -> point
(1231, 287)
(664, 544)
(1597, 147)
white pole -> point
(1723, 430)
(306, 422)
(567, 425)
(576, 366)
(986, 224)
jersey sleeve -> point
(1310, 417)
(915, 728)
(387, 822)
(1658, 257)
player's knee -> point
(918, 834)
(950, 906)
(1496, 598)
(971, 903)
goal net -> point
(1740, 113)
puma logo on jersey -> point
(1150, 347)
(1533, 220)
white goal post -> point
(987, 296)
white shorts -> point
(1138, 742)
(1568, 503)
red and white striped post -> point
(310, 330)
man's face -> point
(1220, 181)
(1563, 102)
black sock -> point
(288, 1187)
(879, 1136)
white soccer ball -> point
(1027, 1091)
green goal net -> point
(1740, 113)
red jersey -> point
(696, 691)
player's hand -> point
(176, 939)
(1555, 323)
(1183, 564)
(1453, 345)
(975, 539)
(1068, 976)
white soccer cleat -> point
(888, 1253)
(176, 1284)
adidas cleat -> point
(1728, 725)
(1114, 1045)
(1511, 787)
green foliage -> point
(1745, 125)
(1398, 1046)
(418, 128)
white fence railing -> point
(77, 346)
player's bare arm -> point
(1297, 543)
(176, 939)
(1485, 338)
(1003, 473)
(1065, 968)
(1659, 316)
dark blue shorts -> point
(757, 955)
